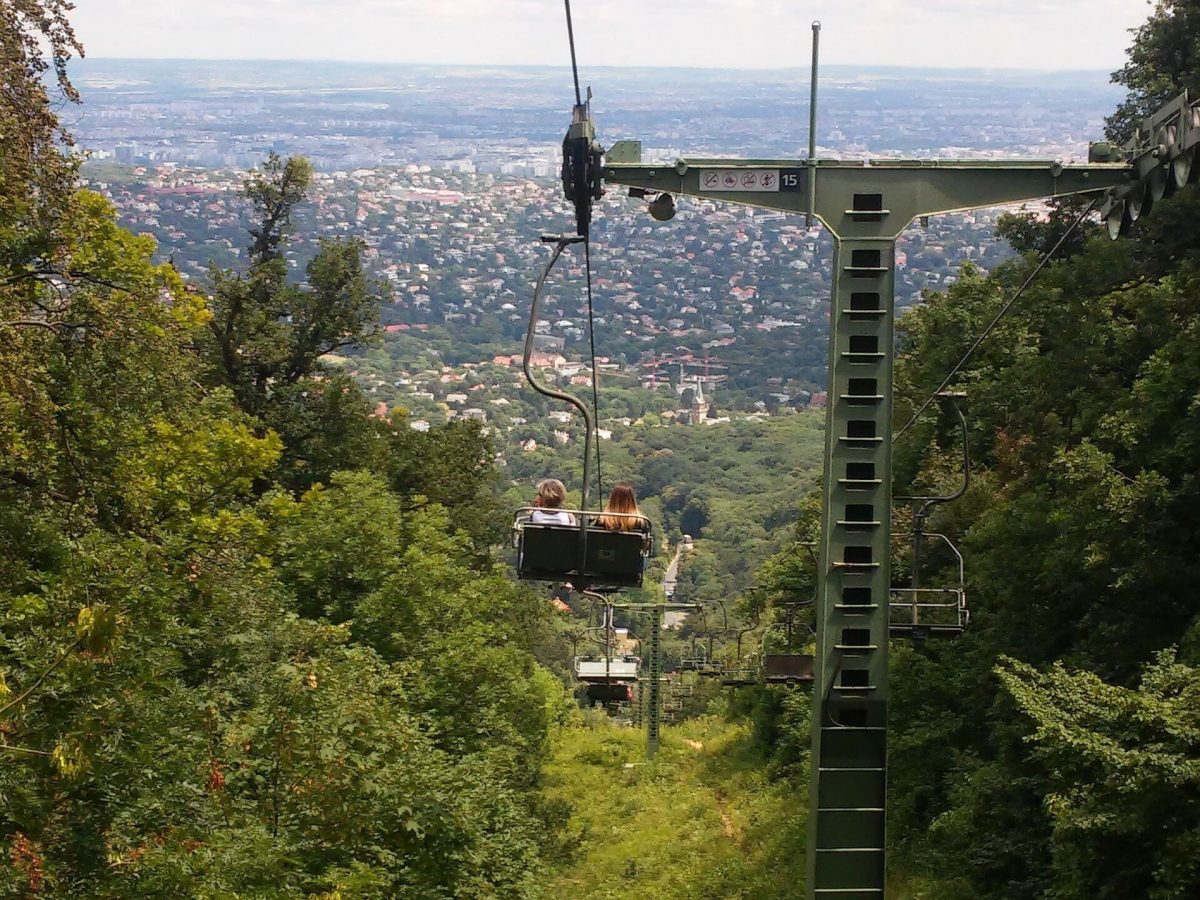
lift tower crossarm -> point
(847, 189)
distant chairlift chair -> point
(785, 668)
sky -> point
(1023, 34)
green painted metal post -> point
(654, 695)
(846, 853)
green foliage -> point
(1123, 768)
(36, 179)
(1031, 234)
(1079, 534)
(267, 334)
(209, 686)
(702, 820)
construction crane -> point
(865, 206)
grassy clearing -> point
(701, 821)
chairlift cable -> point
(587, 252)
(574, 63)
(1003, 311)
(587, 258)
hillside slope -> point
(702, 820)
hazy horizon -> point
(804, 69)
(1035, 35)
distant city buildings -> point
(448, 179)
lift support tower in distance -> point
(865, 206)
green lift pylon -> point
(865, 209)
(866, 206)
(654, 695)
(650, 686)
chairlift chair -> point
(925, 612)
(919, 612)
(696, 660)
(601, 670)
(607, 694)
(785, 668)
(742, 677)
(589, 557)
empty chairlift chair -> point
(920, 612)
(925, 612)
(594, 669)
(785, 667)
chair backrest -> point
(551, 553)
(788, 667)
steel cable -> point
(1000, 315)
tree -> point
(1123, 774)
(1030, 234)
(1163, 62)
(267, 335)
(36, 179)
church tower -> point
(699, 405)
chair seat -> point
(787, 667)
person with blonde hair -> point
(551, 495)
(623, 500)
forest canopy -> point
(1051, 752)
(251, 641)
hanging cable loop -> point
(561, 243)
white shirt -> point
(547, 517)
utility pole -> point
(865, 207)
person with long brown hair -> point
(623, 500)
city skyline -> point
(1022, 34)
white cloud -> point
(1041, 34)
